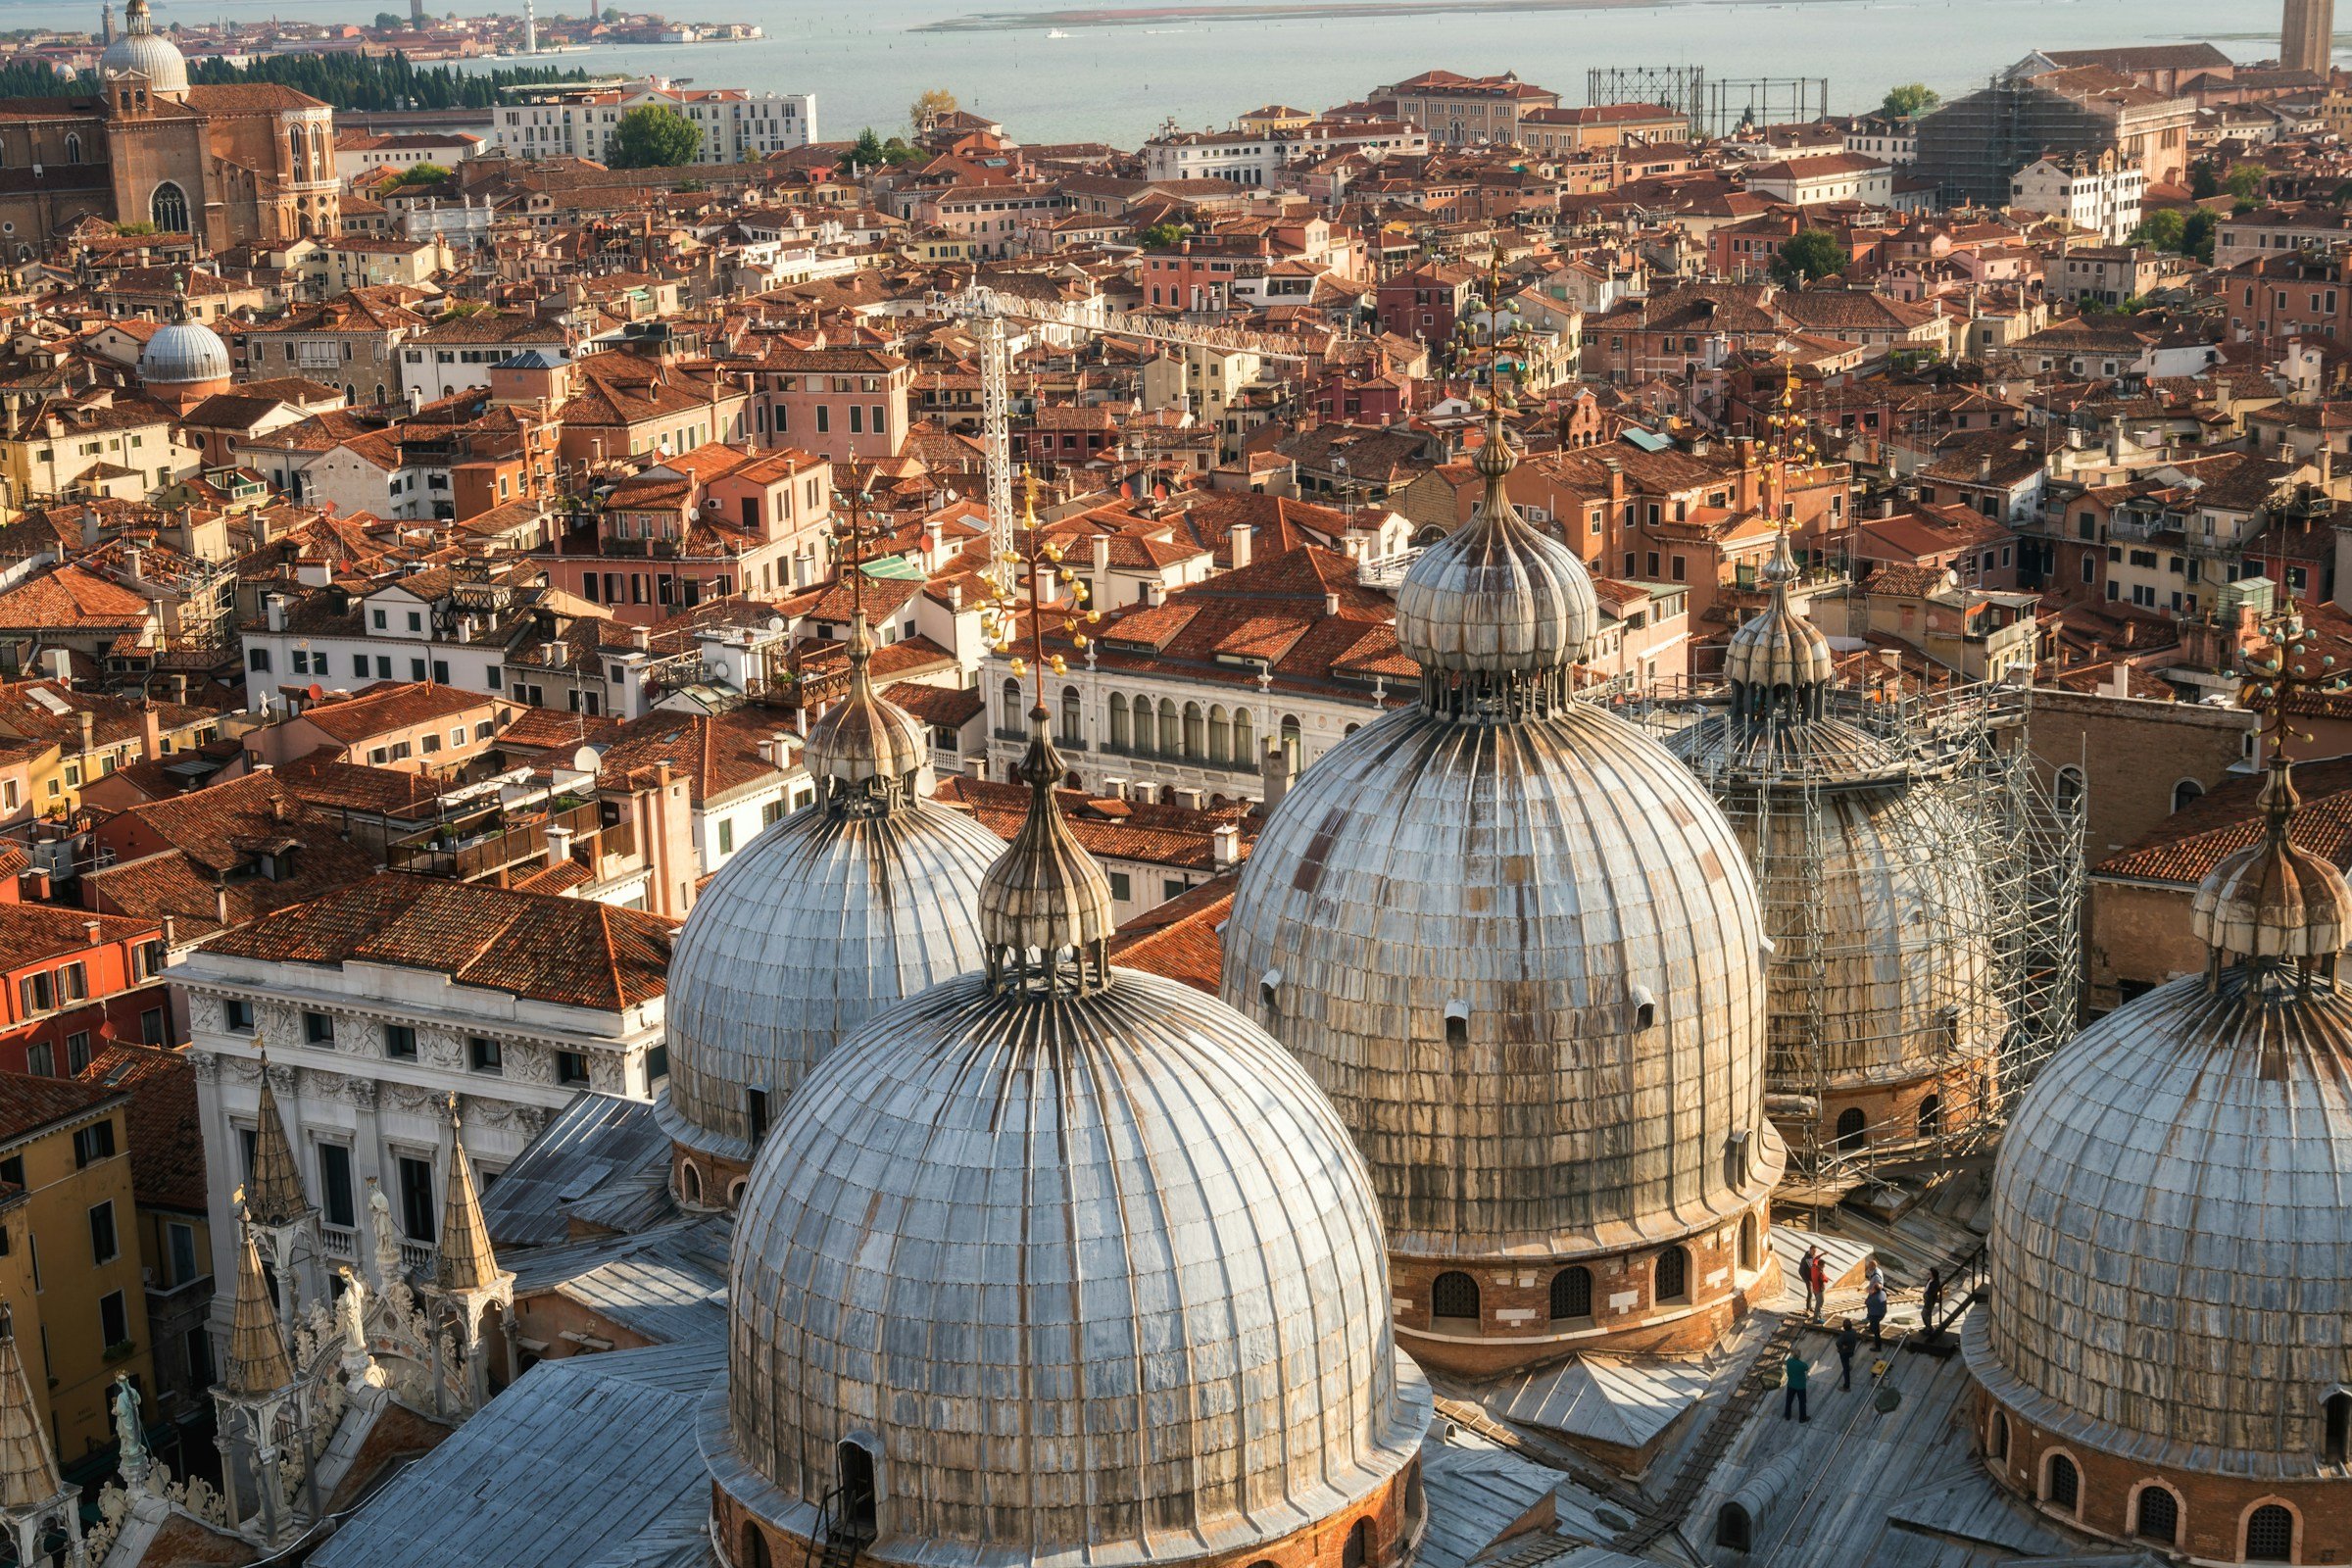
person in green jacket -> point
(1792, 1399)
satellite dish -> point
(587, 760)
(314, 692)
(775, 623)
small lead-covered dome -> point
(2275, 899)
(1496, 596)
(860, 899)
(1778, 649)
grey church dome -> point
(856, 901)
(1512, 938)
(183, 351)
(141, 49)
(1078, 1259)
(2171, 1246)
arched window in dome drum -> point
(1733, 1530)
(1072, 726)
(2335, 1441)
(2065, 1487)
(1999, 1440)
(2188, 790)
(755, 1548)
(167, 208)
(691, 1181)
(857, 1492)
(1118, 720)
(2270, 1534)
(2157, 1517)
(1853, 1128)
(1453, 1295)
(1572, 1294)
(1673, 1274)
(1358, 1552)
(1931, 1116)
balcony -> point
(467, 856)
(187, 1298)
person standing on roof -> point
(1792, 1396)
(1849, 1340)
(1930, 1301)
(1814, 1271)
(1874, 1297)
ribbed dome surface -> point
(146, 54)
(183, 353)
(1496, 595)
(1780, 648)
(2172, 1230)
(820, 922)
(864, 737)
(1542, 877)
(2273, 899)
(1095, 1277)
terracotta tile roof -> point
(944, 707)
(71, 599)
(31, 932)
(569, 951)
(1174, 836)
(2199, 836)
(1182, 939)
(323, 781)
(389, 705)
(717, 752)
(29, 1102)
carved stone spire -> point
(463, 1262)
(273, 1196)
(258, 1362)
(29, 1476)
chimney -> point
(170, 931)
(220, 905)
(274, 611)
(1114, 788)
(1190, 796)
(1225, 843)
(641, 638)
(779, 752)
(1156, 593)
(89, 731)
(89, 933)
(1276, 772)
(151, 728)
(976, 767)
(61, 665)
(89, 527)
(559, 845)
(1243, 537)
(1101, 544)
(1331, 601)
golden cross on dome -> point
(2269, 686)
(1491, 342)
(852, 537)
(1036, 561)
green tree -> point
(2196, 235)
(1809, 254)
(2203, 183)
(613, 14)
(387, 22)
(1910, 101)
(866, 152)
(653, 136)
(1162, 236)
(2162, 231)
(930, 105)
(424, 174)
(2245, 182)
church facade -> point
(225, 164)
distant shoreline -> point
(1274, 11)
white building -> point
(1817, 181)
(737, 124)
(1257, 157)
(380, 1001)
(2102, 194)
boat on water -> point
(1056, 32)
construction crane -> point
(989, 312)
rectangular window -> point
(824, 420)
(483, 1055)
(1119, 888)
(77, 1052)
(1171, 888)
(317, 1029)
(877, 425)
(417, 1198)
(36, 993)
(40, 1059)
(334, 1185)
(114, 1320)
(179, 1242)
(104, 1246)
(726, 837)
(572, 1068)
(400, 1042)
(74, 983)
(656, 1066)
(93, 1144)
(152, 1028)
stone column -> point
(223, 1167)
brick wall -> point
(2133, 752)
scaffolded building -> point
(1922, 894)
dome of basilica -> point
(183, 351)
(142, 51)
(1060, 1263)
(1516, 944)
(863, 898)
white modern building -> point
(737, 124)
(2102, 193)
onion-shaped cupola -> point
(1060, 1263)
(1518, 946)
(860, 900)
(2170, 1251)
(1779, 666)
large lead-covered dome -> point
(2171, 1245)
(856, 901)
(1065, 1263)
(1514, 940)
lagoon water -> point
(865, 60)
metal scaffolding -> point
(1922, 893)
